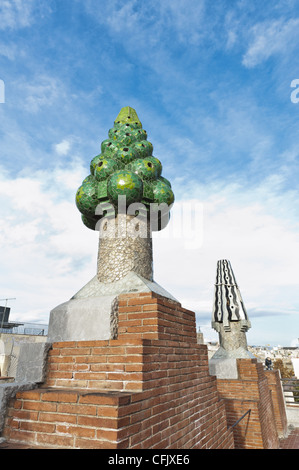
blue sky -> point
(211, 83)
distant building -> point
(12, 335)
(295, 362)
(5, 324)
(200, 339)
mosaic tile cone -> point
(125, 167)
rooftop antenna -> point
(8, 298)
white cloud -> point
(16, 14)
(122, 14)
(10, 51)
(43, 91)
(262, 247)
(270, 38)
(187, 19)
(63, 147)
(47, 253)
(149, 22)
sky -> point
(215, 85)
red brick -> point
(95, 343)
(57, 417)
(21, 436)
(94, 421)
(61, 359)
(64, 344)
(81, 443)
(82, 432)
(135, 308)
(60, 396)
(75, 351)
(140, 301)
(76, 409)
(37, 427)
(98, 399)
(39, 406)
(25, 414)
(55, 440)
(29, 395)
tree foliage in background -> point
(286, 372)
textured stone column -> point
(231, 321)
(233, 339)
(120, 197)
(125, 245)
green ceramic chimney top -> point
(127, 115)
(125, 167)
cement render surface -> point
(223, 363)
(130, 283)
(293, 415)
(32, 362)
(92, 314)
(83, 319)
(31, 370)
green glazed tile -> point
(125, 167)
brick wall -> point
(149, 315)
(250, 392)
(64, 419)
(150, 388)
(273, 377)
(104, 365)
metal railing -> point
(291, 391)
(26, 329)
(240, 419)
